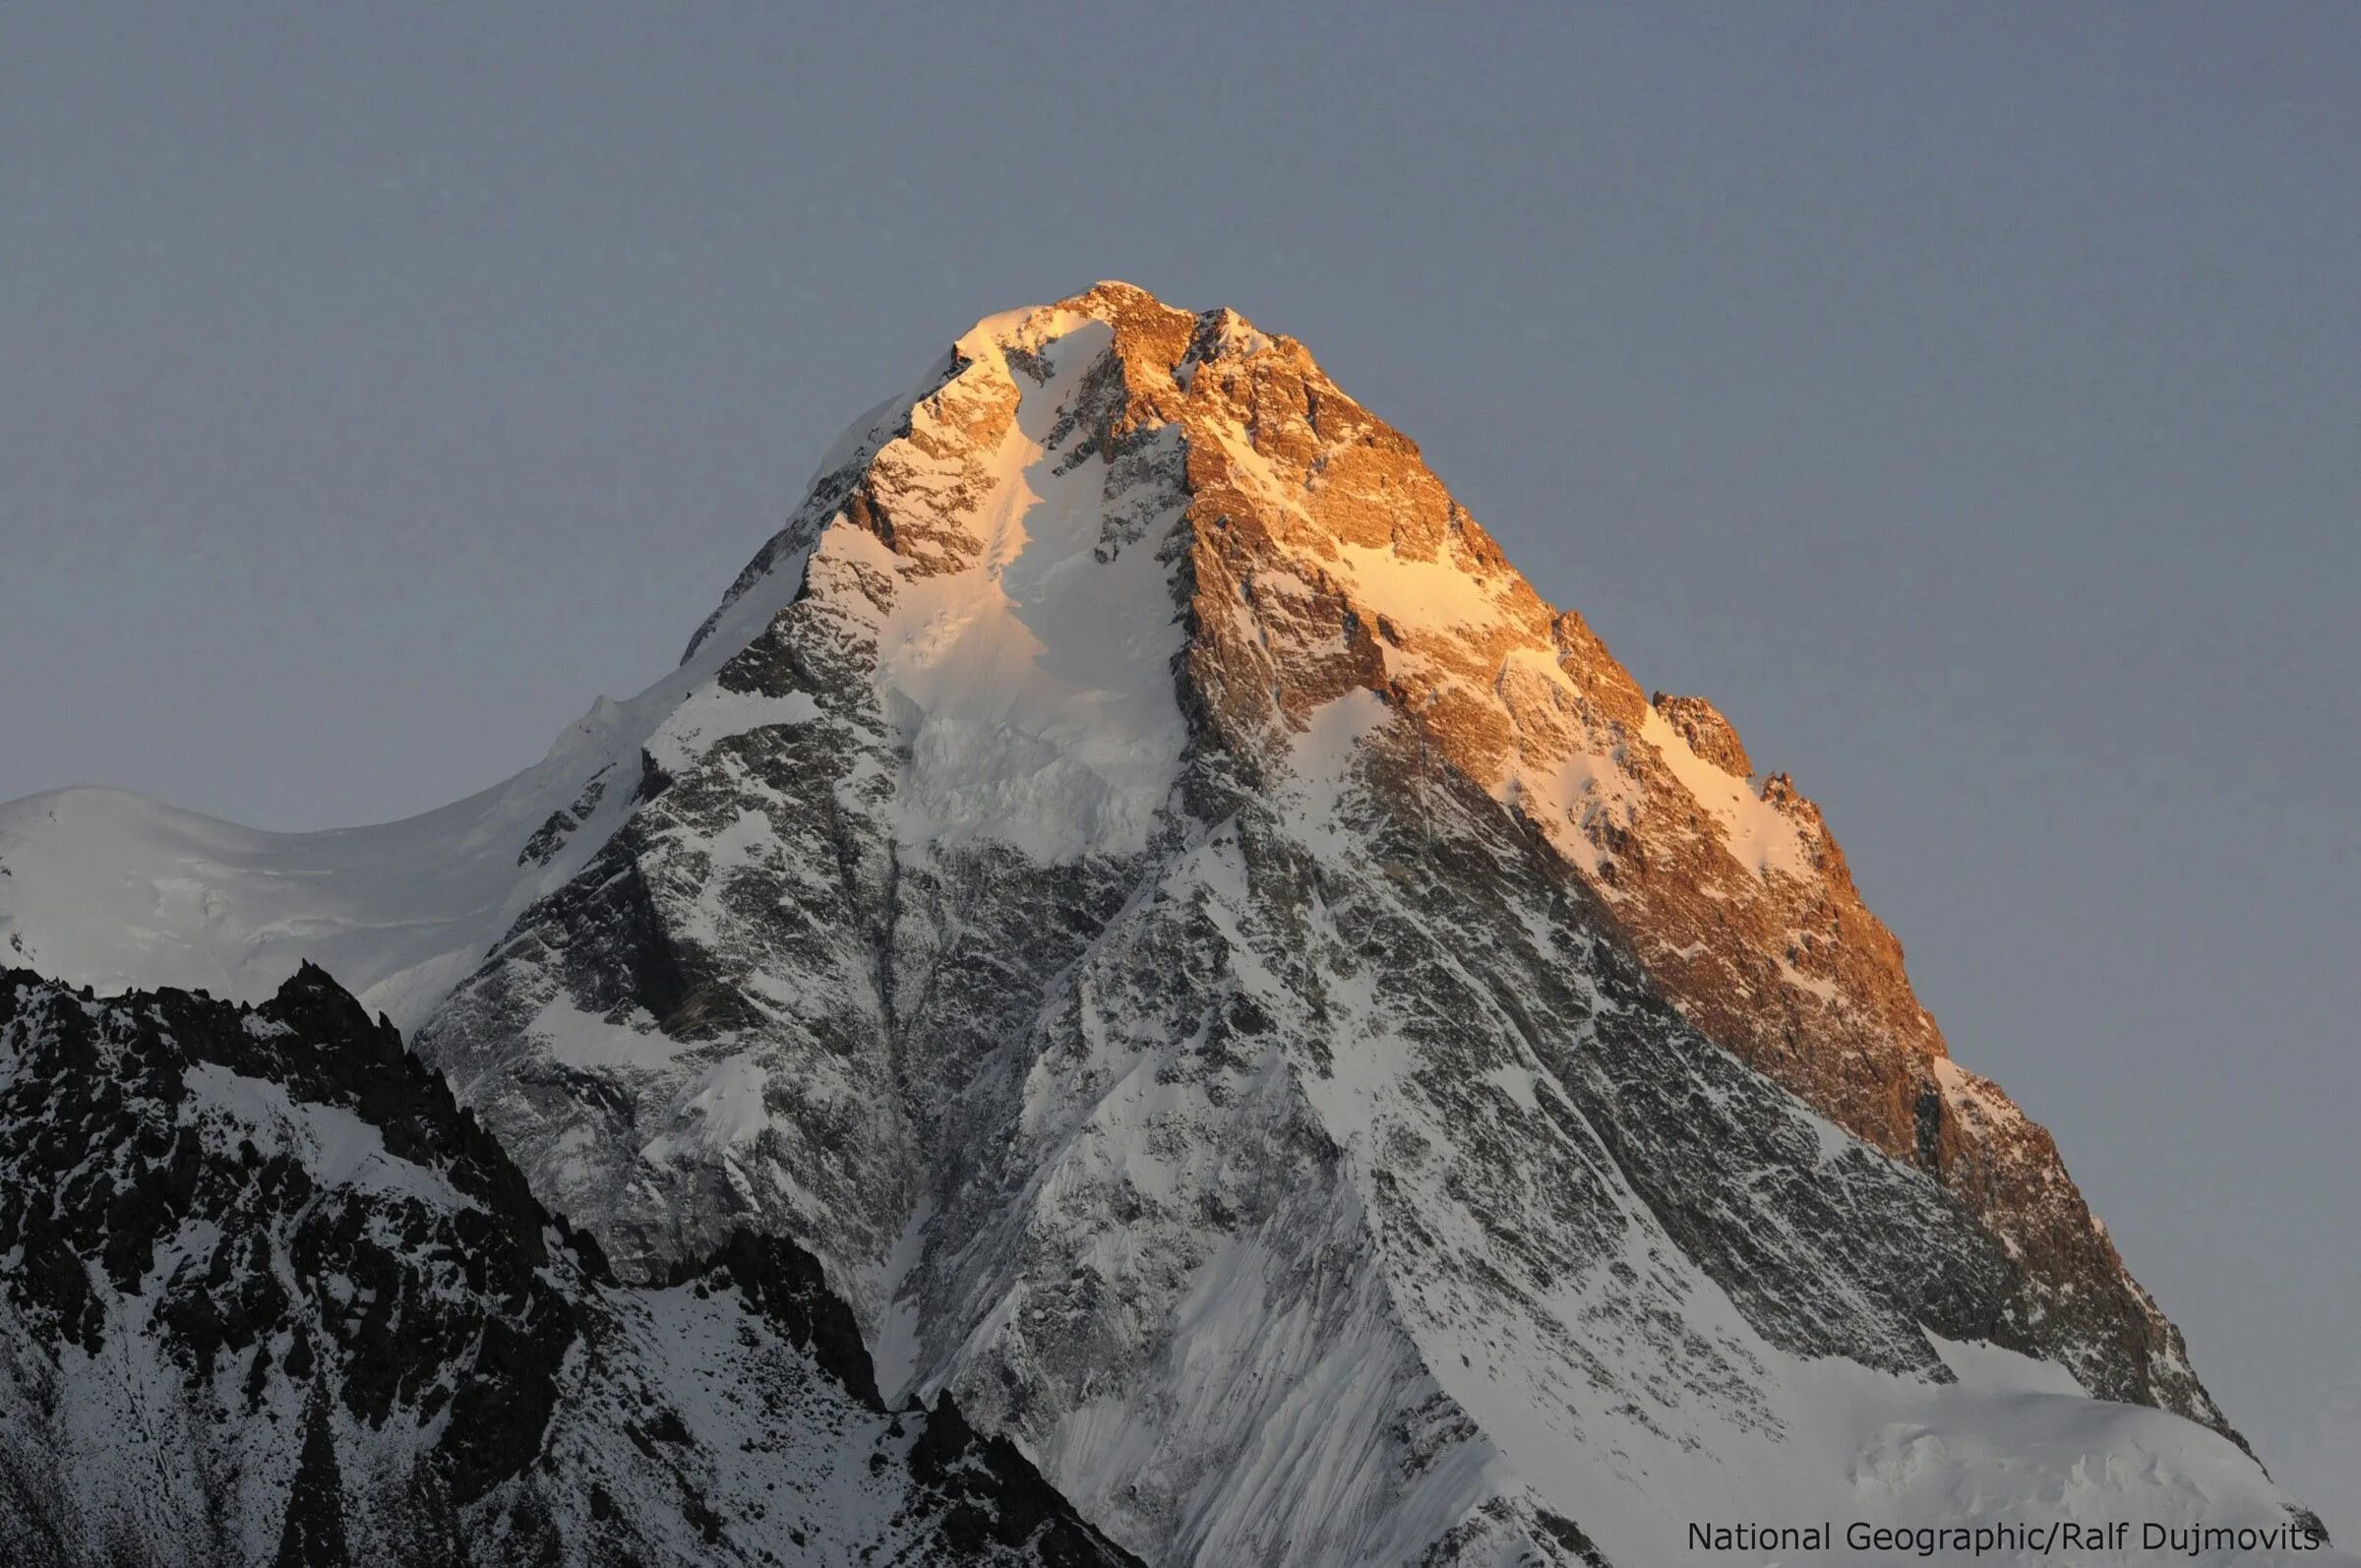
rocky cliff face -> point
(1338, 563)
(275, 1297)
(1232, 984)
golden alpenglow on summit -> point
(1135, 883)
(1139, 994)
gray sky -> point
(1965, 398)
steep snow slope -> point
(106, 888)
(113, 890)
(1040, 711)
(1237, 988)
(272, 1298)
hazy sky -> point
(1963, 399)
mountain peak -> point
(1121, 558)
(1136, 883)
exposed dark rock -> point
(342, 1323)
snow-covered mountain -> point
(1239, 990)
(275, 1297)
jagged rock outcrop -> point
(275, 1297)
(1706, 732)
(1228, 982)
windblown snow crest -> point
(1233, 986)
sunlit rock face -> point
(1266, 1009)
